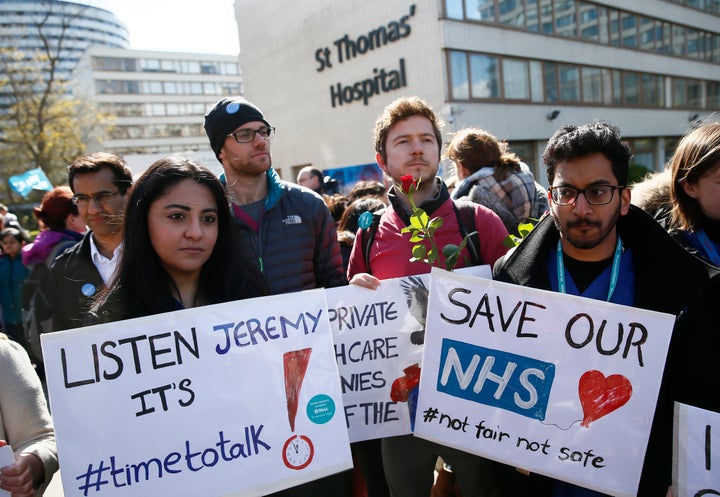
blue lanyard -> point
(614, 272)
(709, 247)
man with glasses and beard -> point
(596, 245)
(100, 183)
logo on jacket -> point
(292, 219)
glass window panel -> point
(171, 87)
(603, 25)
(592, 87)
(484, 76)
(712, 91)
(631, 88)
(714, 47)
(694, 43)
(614, 28)
(546, 16)
(694, 92)
(569, 83)
(629, 30)
(652, 94)
(617, 87)
(679, 42)
(454, 9)
(589, 28)
(515, 79)
(647, 33)
(679, 92)
(459, 75)
(480, 10)
(536, 81)
(565, 20)
(512, 13)
(550, 80)
(531, 15)
(607, 78)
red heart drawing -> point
(600, 396)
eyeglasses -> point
(247, 135)
(102, 198)
(595, 195)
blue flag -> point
(34, 179)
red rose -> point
(409, 184)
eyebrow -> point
(187, 208)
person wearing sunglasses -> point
(100, 183)
(596, 245)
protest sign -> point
(555, 384)
(696, 454)
(238, 399)
(379, 336)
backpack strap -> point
(465, 213)
(368, 235)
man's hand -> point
(19, 477)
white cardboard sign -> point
(238, 399)
(555, 384)
(696, 458)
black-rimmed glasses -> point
(247, 135)
(595, 195)
(102, 198)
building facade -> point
(25, 25)
(158, 98)
(322, 71)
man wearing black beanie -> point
(286, 229)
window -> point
(631, 88)
(454, 9)
(629, 30)
(550, 80)
(459, 75)
(515, 79)
(712, 92)
(512, 13)
(653, 94)
(546, 16)
(592, 85)
(569, 83)
(565, 23)
(484, 76)
(480, 10)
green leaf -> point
(419, 251)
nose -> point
(194, 230)
(581, 204)
(416, 147)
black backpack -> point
(465, 214)
(37, 313)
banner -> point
(34, 179)
(235, 399)
(555, 384)
(379, 336)
(696, 455)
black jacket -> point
(70, 272)
(667, 278)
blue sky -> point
(206, 26)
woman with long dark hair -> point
(177, 248)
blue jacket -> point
(12, 277)
(295, 247)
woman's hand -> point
(365, 280)
(19, 478)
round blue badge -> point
(232, 108)
(365, 220)
(88, 289)
(320, 409)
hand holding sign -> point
(600, 395)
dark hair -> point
(400, 109)
(367, 189)
(13, 232)
(571, 142)
(697, 153)
(95, 162)
(55, 208)
(141, 280)
(476, 148)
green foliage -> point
(524, 230)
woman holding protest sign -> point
(177, 249)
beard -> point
(568, 230)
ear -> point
(624, 201)
(381, 163)
(690, 189)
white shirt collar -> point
(106, 267)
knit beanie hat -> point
(227, 115)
